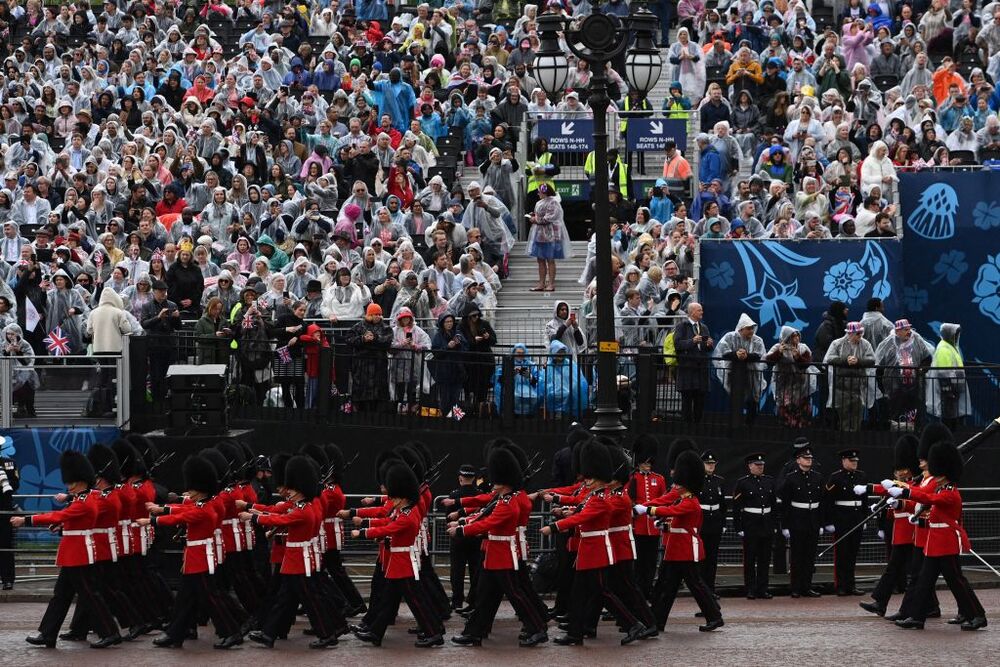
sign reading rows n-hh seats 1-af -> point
(652, 134)
(568, 135)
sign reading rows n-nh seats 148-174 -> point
(652, 134)
(574, 135)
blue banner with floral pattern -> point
(791, 283)
(951, 223)
(36, 452)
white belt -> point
(124, 524)
(847, 503)
(235, 524)
(220, 552)
(88, 538)
(250, 538)
(631, 535)
(694, 539)
(901, 515)
(522, 538)
(757, 510)
(337, 531)
(209, 555)
(958, 535)
(510, 539)
(307, 557)
(805, 506)
(112, 534)
(607, 542)
(710, 508)
(424, 537)
(321, 537)
(414, 558)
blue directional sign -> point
(568, 135)
(652, 134)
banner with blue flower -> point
(952, 256)
(791, 283)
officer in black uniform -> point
(754, 509)
(10, 481)
(464, 551)
(845, 510)
(780, 554)
(713, 512)
(801, 499)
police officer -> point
(801, 498)
(845, 510)
(713, 513)
(780, 552)
(464, 550)
(10, 481)
(754, 509)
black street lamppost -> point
(599, 39)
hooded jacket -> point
(560, 330)
(108, 323)
(565, 388)
(750, 370)
(24, 364)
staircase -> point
(521, 314)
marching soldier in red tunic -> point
(684, 548)
(198, 589)
(300, 560)
(946, 538)
(401, 562)
(643, 486)
(333, 563)
(76, 556)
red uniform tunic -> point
(524, 516)
(683, 539)
(643, 488)
(335, 501)
(593, 519)
(920, 528)
(902, 528)
(126, 492)
(570, 495)
(78, 518)
(302, 523)
(109, 508)
(278, 539)
(945, 533)
(669, 497)
(249, 496)
(400, 557)
(201, 519)
(499, 526)
(620, 528)
(142, 536)
(232, 531)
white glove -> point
(830, 529)
(821, 530)
(887, 484)
(881, 534)
(892, 503)
(874, 507)
(723, 530)
(786, 533)
(740, 533)
(640, 509)
(914, 519)
(895, 491)
(860, 489)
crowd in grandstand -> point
(261, 166)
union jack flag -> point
(248, 321)
(456, 413)
(56, 342)
(284, 354)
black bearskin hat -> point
(504, 468)
(577, 434)
(689, 471)
(278, 463)
(943, 460)
(519, 454)
(301, 475)
(904, 453)
(425, 452)
(383, 459)
(129, 459)
(400, 482)
(105, 463)
(413, 459)
(218, 461)
(145, 447)
(317, 453)
(644, 448)
(336, 459)
(234, 456)
(933, 433)
(200, 475)
(490, 444)
(676, 447)
(595, 461)
(76, 467)
(621, 464)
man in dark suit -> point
(693, 343)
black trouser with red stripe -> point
(802, 545)
(845, 557)
(899, 560)
(947, 566)
(144, 585)
(376, 587)
(333, 563)
(647, 551)
(432, 585)
(672, 572)
(464, 552)
(113, 582)
(238, 574)
(565, 573)
(492, 586)
(80, 582)
(201, 592)
(907, 606)
(621, 577)
(524, 578)
(591, 593)
(395, 591)
(711, 536)
(298, 588)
